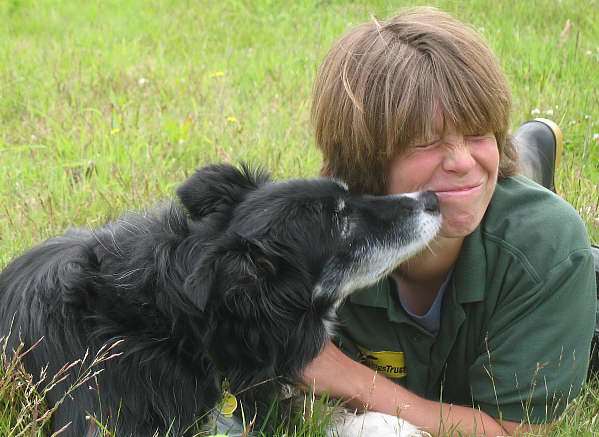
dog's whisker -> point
(123, 275)
(95, 235)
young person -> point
(491, 326)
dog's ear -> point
(249, 269)
(236, 272)
(243, 305)
(217, 188)
(199, 284)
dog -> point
(234, 283)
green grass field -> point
(108, 105)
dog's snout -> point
(395, 205)
(430, 201)
(408, 203)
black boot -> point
(540, 144)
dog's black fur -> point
(239, 281)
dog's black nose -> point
(431, 202)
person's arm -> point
(338, 375)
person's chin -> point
(461, 221)
(459, 229)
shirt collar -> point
(380, 296)
(469, 275)
(375, 296)
(467, 280)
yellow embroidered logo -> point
(389, 363)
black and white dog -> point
(238, 281)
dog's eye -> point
(344, 227)
(342, 184)
(341, 213)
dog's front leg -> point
(371, 424)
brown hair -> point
(380, 85)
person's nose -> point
(458, 157)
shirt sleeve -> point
(537, 344)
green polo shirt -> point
(516, 320)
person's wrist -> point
(361, 385)
(373, 389)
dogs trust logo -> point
(389, 363)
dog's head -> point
(287, 253)
(313, 234)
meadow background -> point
(107, 105)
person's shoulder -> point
(533, 221)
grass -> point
(108, 105)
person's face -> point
(461, 170)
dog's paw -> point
(372, 424)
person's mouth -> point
(459, 191)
